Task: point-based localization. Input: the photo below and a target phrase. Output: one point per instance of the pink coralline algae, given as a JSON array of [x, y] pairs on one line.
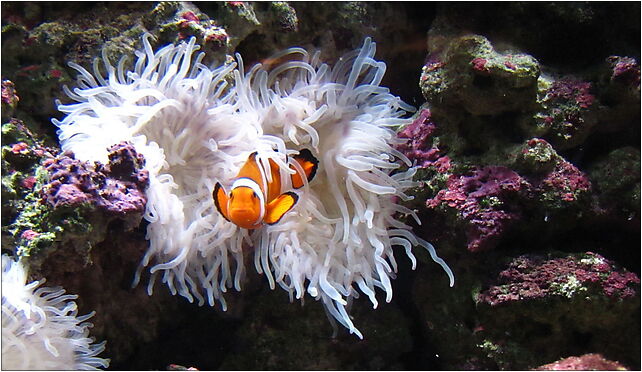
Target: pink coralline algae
[[9, 95], [565, 183], [479, 64], [56, 74], [29, 234], [510, 65], [481, 199], [432, 65], [220, 37], [486, 201], [554, 181], [625, 70], [19, 147], [190, 16], [569, 113], [28, 182], [532, 277], [206, 30], [420, 148], [586, 362], [187, 20], [117, 187], [566, 90]]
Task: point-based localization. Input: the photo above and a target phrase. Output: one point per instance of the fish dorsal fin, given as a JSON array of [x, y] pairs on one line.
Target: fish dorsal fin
[[309, 163], [274, 186], [220, 200], [252, 170], [279, 206]]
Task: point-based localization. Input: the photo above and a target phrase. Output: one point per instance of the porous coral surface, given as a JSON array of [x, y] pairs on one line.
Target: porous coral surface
[[526, 143], [117, 187]]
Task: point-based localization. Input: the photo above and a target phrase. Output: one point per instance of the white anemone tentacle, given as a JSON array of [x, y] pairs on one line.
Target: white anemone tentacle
[[196, 126]]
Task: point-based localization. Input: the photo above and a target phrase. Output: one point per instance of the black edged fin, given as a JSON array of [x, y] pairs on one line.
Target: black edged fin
[[220, 200], [306, 155], [278, 207], [309, 164]]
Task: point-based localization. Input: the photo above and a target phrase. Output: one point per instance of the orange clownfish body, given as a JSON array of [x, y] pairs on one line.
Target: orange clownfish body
[[254, 200]]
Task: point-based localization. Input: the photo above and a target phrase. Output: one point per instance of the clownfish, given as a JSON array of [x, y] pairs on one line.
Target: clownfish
[[253, 200]]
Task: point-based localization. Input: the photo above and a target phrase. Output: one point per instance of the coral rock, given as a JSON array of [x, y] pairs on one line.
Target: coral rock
[[625, 70], [537, 157], [569, 112], [480, 199], [565, 184], [419, 147], [532, 277], [619, 91], [557, 184], [542, 308], [617, 181], [586, 362], [9, 98], [117, 187], [467, 71]]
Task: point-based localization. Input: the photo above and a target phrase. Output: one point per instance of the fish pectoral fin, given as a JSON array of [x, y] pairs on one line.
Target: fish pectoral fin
[[309, 163], [279, 206], [220, 200]]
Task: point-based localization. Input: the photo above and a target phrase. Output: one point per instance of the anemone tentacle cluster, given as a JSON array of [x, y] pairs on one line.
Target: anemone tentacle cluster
[[41, 329], [195, 129]]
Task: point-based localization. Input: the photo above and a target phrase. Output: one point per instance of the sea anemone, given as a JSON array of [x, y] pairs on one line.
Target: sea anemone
[[195, 129], [41, 328]]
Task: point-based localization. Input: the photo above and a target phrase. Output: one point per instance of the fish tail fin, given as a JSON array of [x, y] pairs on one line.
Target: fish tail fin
[[309, 163]]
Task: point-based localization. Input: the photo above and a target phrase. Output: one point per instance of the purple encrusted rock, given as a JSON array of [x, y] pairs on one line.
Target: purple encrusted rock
[[492, 180], [117, 187], [531, 277], [568, 90], [420, 148], [480, 199], [625, 70], [9, 96], [125, 163], [122, 197], [565, 184], [551, 303], [555, 182], [586, 362], [66, 195], [569, 113], [419, 134]]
